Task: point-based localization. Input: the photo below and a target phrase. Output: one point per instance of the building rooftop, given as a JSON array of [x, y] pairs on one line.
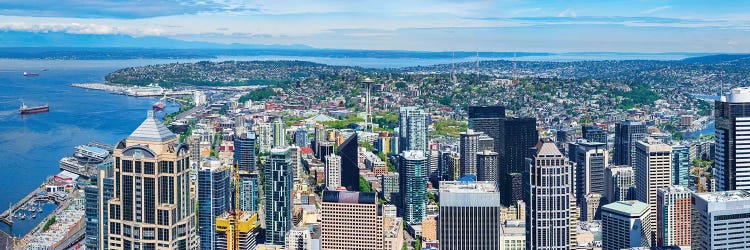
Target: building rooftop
[[675, 189], [628, 207], [152, 130], [736, 195], [414, 155], [467, 187], [547, 148], [738, 95]]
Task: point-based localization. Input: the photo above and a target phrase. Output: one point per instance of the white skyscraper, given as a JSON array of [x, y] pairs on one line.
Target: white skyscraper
[[469, 216], [719, 220], [265, 137], [653, 170], [549, 189], [333, 172], [279, 134]]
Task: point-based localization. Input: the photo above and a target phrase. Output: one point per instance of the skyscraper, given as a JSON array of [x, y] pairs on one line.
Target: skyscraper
[[278, 195], [487, 120], [349, 163], [249, 191], [412, 185], [548, 193], [653, 170], [300, 137], [247, 227], [674, 216], [627, 134], [469, 216], [487, 166], [718, 220], [333, 172], [619, 183], [244, 152], [213, 199], [681, 165], [626, 224], [351, 220], [517, 136], [279, 134], [594, 134], [591, 158], [265, 137], [100, 190], [732, 114], [469, 144], [152, 204], [412, 129]]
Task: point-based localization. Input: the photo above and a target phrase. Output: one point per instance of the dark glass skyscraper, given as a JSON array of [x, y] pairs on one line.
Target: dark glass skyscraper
[[487, 119], [244, 152], [412, 186], [279, 181], [627, 134], [594, 134], [732, 115], [517, 136], [349, 163], [213, 200]]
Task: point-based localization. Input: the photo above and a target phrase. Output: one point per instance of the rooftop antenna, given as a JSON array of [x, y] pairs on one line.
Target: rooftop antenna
[[477, 65], [515, 70]]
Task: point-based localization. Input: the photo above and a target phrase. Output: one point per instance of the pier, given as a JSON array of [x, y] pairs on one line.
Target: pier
[[7, 216]]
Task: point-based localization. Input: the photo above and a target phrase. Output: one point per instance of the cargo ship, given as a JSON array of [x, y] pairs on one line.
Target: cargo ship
[[27, 74], [158, 106], [32, 110]]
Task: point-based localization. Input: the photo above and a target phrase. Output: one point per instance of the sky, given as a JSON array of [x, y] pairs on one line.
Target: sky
[[424, 25]]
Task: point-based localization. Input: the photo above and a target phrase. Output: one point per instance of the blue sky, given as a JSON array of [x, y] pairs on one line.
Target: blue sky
[[434, 25]]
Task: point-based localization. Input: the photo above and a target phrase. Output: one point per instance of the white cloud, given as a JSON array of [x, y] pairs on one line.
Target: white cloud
[[567, 13], [79, 28], [657, 9]]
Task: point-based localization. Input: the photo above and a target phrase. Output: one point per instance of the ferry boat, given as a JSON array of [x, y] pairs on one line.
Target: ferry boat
[[32, 110], [27, 74]]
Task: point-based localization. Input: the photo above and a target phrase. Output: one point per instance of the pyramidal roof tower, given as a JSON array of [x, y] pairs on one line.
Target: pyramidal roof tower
[[152, 130]]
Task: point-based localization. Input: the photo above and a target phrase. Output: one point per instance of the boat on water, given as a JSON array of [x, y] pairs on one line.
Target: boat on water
[[27, 74], [23, 216], [33, 216], [32, 110], [159, 106]]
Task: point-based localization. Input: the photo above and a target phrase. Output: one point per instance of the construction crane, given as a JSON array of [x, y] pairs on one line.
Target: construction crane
[[235, 212]]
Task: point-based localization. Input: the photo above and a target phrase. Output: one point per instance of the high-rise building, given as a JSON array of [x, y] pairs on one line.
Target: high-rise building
[[351, 220], [300, 137], [626, 224], [249, 191], [333, 172], [517, 136], [296, 155], [594, 134], [674, 216], [279, 134], [412, 186], [681, 165], [485, 143], [718, 220], [389, 185], [469, 144], [487, 166], [619, 183], [487, 120], [469, 216], [264, 137], [412, 129], [627, 134], [299, 238], [653, 170], [591, 158], [213, 199], [732, 114], [349, 163], [449, 162], [152, 205], [247, 226], [100, 189], [549, 195], [278, 195], [244, 152]]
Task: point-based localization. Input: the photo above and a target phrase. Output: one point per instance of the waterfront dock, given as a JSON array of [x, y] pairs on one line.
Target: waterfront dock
[[135, 91], [7, 216]]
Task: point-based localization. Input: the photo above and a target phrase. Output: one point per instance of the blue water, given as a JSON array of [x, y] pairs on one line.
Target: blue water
[[31, 145]]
